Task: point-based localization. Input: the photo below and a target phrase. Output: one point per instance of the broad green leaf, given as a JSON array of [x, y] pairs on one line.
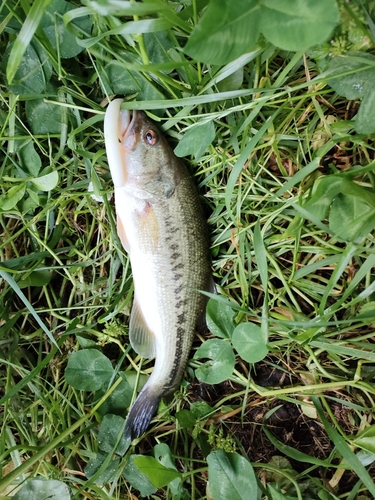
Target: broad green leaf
[[229, 29], [357, 84], [365, 457], [46, 182], [231, 82], [226, 30], [12, 197], [185, 419], [102, 467], [56, 31], [248, 340], [119, 400], [21, 44], [220, 319], [231, 476], [111, 435], [29, 77], [86, 343], [351, 218], [196, 140], [124, 81], [298, 24], [220, 364], [36, 278], [200, 409], [88, 370], [29, 159], [43, 117], [138, 479], [157, 46], [358, 81], [366, 439], [351, 188], [275, 494], [45, 61], [33, 201], [163, 455], [230, 76], [42, 489], [324, 191], [158, 475], [135, 379], [55, 7], [365, 118]]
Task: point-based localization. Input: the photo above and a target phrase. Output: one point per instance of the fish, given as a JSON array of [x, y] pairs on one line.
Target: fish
[[161, 225]]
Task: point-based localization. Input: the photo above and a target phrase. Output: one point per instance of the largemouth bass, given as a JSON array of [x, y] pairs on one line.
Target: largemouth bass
[[162, 227]]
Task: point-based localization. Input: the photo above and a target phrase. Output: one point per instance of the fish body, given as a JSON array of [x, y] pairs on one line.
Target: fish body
[[161, 225]]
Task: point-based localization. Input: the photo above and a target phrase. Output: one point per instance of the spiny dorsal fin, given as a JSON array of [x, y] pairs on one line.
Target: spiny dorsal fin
[[142, 338]]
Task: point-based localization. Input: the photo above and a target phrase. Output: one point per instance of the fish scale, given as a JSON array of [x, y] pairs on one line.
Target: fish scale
[[181, 302], [162, 226]]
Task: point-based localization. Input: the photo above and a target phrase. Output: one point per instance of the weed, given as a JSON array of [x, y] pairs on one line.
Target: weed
[[276, 126]]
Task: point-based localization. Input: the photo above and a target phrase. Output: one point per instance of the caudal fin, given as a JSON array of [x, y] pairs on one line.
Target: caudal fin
[[141, 413]]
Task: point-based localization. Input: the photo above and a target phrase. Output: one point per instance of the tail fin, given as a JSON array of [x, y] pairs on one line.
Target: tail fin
[[141, 413]]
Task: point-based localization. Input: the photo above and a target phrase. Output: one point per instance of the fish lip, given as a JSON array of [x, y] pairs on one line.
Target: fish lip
[[121, 135], [128, 128], [115, 157]]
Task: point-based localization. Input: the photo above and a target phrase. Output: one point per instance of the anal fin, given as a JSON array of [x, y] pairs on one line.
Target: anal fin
[[142, 338]]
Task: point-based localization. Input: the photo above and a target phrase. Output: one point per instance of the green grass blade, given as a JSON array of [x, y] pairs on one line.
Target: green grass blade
[[299, 176], [244, 156], [293, 453], [343, 448], [57, 441], [261, 259], [6, 276], [25, 36]]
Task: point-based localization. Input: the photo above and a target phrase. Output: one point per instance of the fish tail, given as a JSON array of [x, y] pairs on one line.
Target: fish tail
[[141, 413]]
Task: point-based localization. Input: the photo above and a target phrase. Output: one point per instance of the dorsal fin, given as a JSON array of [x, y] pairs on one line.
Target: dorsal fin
[[142, 338]]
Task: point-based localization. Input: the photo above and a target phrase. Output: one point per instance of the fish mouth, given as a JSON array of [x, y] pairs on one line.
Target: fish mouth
[[120, 136], [128, 129]]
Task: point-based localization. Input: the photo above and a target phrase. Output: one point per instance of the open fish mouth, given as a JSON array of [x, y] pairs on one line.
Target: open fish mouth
[[127, 128], [119, 136]]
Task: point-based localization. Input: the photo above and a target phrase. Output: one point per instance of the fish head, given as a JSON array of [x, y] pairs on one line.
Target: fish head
[[138, 154]]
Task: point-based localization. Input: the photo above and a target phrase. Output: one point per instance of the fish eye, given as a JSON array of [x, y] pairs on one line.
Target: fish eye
[[151, 137]]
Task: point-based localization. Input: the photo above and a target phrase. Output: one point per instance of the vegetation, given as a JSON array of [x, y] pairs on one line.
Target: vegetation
[[271, 103]]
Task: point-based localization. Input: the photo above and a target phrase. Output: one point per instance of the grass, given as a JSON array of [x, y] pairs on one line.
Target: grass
[[303, 415]]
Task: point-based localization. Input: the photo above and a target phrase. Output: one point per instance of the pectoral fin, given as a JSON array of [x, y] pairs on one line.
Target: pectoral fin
[[142, 338], [147, 229]]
